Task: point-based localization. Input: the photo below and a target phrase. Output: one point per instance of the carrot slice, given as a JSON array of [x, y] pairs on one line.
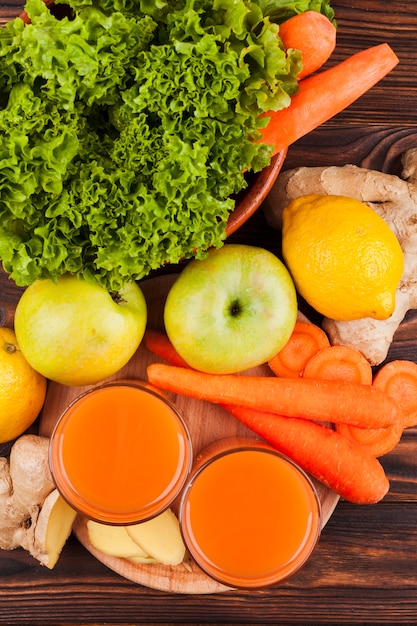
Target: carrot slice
[[334, 460], [399, 380], [376, 441], [327, 93], [159, 344], [313, 34], [305, 340], [349, 365], [325, 400], [342, 363]]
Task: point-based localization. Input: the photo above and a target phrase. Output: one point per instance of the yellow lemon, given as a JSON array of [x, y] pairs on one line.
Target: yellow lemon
[[344, 259], [22, 389]]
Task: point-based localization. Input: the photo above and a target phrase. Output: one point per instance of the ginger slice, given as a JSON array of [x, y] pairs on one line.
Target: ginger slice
[[115, 541], [160, 538], [53, 527]]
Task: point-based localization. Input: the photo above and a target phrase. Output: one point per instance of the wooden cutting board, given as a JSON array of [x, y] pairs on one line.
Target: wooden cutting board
[[206, 422]]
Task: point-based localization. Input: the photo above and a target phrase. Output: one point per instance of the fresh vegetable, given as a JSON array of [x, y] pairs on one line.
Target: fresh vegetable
[[32, 513], [341, 363], [360, 405], [157, 540], [375, 441], [160, 538], [399, 380], [126, 131], [325, 94], [333, 459], [305, 341], [53, 527], [158, 343], [347, 364], [280, 11], [114, 541], [314, 35], [394, 198], [287, 435]]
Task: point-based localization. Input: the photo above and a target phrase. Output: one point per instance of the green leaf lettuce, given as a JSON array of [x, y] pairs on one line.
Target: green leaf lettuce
[[125, 131]]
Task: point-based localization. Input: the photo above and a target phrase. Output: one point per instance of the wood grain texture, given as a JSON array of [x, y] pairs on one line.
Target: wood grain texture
[[364, 569]]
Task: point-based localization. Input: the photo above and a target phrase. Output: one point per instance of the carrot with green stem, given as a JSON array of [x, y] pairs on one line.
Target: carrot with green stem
[[313, 34], [325, 94], [305, 341], [334, 460], [360, 405]]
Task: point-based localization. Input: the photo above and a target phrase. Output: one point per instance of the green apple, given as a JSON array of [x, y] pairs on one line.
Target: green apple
[[76, 333], [231, 311]]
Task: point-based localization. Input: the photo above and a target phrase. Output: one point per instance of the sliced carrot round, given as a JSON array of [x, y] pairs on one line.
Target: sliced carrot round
[[399, 380], [306, 339], [342, 363], [376, 441]]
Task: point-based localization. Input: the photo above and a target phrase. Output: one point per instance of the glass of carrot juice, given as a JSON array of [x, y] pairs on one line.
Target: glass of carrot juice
[[250, 517], [120, 453]]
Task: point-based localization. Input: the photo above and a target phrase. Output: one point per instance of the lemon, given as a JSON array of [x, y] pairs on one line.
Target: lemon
[[22, 389], [344, 259]]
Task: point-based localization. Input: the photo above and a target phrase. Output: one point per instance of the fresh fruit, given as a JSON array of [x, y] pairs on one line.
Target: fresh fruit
[[22, 389], [232, 310], [345, 260], [76, 333]]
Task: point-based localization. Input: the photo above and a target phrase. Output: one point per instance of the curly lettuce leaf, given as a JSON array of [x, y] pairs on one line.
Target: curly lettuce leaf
[[125, 132], [281, 10]]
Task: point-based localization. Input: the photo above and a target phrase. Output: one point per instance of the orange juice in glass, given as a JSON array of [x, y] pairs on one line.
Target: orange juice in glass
[[250, 517], [120, 453]]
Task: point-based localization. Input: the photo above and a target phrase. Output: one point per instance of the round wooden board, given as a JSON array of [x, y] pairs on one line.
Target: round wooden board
[[206, 422]]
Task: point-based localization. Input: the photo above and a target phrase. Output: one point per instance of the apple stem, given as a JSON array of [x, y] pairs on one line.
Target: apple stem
[[116, 297]]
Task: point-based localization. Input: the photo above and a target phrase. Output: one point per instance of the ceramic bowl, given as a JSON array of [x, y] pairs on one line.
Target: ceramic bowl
[[252, 197]]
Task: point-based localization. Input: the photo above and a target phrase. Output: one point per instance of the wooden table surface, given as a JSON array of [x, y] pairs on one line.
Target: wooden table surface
[[364, 570]]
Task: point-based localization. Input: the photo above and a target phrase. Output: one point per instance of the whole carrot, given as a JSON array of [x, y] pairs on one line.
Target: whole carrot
[[329, 401], [327, 93], [158, 343], [313, 34], [331, 458]]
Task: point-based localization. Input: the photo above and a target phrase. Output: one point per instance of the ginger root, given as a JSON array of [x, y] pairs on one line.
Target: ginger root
[[32, 513], [394, 198], [157, 540]]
